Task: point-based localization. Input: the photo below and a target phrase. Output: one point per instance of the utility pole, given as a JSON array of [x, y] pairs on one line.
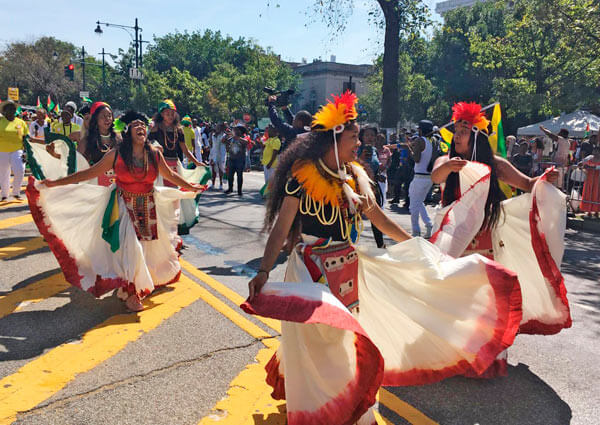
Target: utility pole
[[103, 74], [137, 49], [83, 66]]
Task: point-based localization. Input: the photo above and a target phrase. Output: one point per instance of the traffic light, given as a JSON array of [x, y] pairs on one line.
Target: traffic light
[[70, 71]]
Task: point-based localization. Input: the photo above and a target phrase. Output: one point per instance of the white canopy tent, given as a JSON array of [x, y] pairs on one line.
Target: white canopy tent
[[576, 122]]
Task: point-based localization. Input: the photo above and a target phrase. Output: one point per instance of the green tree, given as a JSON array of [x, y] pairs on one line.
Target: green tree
[[398, 18]]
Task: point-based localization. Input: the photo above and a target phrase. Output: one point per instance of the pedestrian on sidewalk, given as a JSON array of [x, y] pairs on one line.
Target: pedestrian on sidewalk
[[591, 187], [12, 132], [236, 157], [421, 150], [270, 152]]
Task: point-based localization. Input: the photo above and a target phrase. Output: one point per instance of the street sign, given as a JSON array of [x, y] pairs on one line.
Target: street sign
[[135, 74], [83, 94], [13, 93], [247, 117]]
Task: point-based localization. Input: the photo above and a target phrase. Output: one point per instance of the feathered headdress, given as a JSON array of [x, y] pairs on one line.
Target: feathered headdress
[[335, 114], [470, 112]]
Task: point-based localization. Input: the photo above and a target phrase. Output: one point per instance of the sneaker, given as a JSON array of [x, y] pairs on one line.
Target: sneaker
[[428, 230]]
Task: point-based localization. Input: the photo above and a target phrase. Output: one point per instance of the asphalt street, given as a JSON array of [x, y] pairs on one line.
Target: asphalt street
[[193, 357]]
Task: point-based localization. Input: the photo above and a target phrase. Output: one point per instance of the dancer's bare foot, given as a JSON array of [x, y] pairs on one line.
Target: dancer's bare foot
[[133, 303]]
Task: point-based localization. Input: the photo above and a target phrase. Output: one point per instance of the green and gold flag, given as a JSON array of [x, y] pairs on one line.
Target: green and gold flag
[[110, 222]]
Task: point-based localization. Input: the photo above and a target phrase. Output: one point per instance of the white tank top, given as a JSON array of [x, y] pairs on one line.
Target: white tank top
[[421, 166]]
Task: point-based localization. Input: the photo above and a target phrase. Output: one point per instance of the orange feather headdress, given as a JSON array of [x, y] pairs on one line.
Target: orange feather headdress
[[470, 112], [335, 114]]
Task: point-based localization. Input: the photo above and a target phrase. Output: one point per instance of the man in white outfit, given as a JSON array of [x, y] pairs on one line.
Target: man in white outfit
[[218, 154], [421, 151]]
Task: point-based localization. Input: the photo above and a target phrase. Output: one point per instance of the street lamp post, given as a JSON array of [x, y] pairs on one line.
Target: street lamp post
[[136, 37]]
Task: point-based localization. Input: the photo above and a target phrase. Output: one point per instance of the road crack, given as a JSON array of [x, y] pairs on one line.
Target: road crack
[[134, 379]]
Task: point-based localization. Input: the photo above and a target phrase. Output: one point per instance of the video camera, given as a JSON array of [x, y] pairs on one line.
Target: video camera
[[283, 97]]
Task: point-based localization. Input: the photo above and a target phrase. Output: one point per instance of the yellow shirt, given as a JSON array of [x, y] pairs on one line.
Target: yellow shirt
[[188, 136], [57, 127], [11, 134], [272, 144]]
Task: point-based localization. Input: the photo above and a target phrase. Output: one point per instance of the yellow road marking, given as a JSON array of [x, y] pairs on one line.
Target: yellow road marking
[[249, 399], [228, 293], [43, 377], [15, 221], [33, 293], [403, 409], [21, 248]]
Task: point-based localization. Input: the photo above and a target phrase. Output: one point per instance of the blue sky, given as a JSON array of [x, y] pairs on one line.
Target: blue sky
[[286, 29]]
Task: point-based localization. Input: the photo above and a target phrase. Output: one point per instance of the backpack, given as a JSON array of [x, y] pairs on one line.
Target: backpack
[[436, 152]]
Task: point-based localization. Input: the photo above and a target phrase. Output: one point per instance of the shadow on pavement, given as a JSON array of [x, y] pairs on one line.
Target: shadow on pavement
[[27, 334], [247, 269], [582, 255], [518, 399]]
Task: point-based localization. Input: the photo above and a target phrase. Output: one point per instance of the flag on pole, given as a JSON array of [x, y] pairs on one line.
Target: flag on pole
[[57, 109], [497, 140], [447, 136], [87, 99], [38, 104], [49, 104], [587, 130]]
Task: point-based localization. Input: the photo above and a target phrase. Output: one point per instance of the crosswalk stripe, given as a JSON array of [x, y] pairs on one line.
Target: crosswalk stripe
[[33, 293], [226, 292], [43, 377], [22, 247], [15, 221], [405, 410]]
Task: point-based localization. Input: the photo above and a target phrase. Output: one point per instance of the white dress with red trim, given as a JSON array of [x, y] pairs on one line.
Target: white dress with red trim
[[189, 213], [142, 230], [529, 240], [418, 316], [65, 161]]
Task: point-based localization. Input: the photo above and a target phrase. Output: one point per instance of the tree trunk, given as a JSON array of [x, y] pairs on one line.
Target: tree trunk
[[391, 67]]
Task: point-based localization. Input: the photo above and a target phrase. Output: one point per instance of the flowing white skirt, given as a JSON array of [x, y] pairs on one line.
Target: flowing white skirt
[[529, 240], [55, 168], [70, 219], [426, 315], [189, 214]]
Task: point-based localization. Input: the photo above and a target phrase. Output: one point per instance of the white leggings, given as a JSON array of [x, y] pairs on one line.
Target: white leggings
[[8, 161], [417, 191]]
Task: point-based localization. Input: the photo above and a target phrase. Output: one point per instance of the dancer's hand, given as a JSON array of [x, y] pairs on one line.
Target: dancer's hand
[[454, 165], [49, 183], [199, 187], [256, 284]]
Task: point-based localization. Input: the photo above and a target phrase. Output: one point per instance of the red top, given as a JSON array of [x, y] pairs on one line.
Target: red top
[[135, 182]]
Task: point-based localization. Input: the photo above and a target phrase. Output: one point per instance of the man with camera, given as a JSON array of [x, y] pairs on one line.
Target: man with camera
[[298, 124]]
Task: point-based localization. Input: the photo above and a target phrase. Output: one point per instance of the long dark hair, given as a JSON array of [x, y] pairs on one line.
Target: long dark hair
[[158, 119], [125, 149], [484, 154], [309, 146], [92, 153]]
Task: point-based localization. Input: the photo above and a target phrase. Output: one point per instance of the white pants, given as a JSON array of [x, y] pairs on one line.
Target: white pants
[[384, 188], [8, 161], [269, 173], [417, 191]]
